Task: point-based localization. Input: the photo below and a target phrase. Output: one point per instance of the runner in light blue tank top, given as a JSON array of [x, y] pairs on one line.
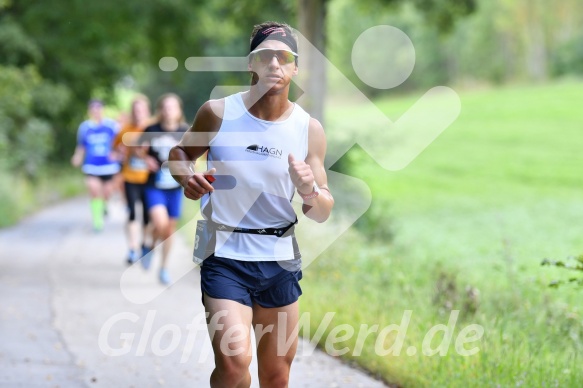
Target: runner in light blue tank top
[[94, 153], [97, 138]]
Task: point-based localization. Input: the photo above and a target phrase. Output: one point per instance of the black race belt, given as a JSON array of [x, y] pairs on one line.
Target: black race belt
[[278, 232]]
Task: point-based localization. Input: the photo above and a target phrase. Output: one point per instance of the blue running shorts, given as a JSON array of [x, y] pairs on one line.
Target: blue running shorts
[[267, 283], [171, 199]]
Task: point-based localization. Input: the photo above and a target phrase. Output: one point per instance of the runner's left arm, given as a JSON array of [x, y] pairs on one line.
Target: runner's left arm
[[304, 173]]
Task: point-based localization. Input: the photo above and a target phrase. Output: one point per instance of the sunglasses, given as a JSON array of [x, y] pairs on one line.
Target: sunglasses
[[265, 56]]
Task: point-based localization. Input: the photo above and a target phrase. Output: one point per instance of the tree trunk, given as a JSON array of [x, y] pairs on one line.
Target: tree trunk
[[536, 46], [312, 16]]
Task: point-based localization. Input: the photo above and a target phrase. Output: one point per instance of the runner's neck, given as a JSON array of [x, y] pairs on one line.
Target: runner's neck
[[269, 107]]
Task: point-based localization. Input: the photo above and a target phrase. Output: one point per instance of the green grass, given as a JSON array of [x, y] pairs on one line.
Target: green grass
[[21, 196], [475, 213], [478, 210]]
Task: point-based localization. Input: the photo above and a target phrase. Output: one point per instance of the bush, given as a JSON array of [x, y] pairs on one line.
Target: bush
[[27, 102], [568, 58], [573, 264], [21, 196]]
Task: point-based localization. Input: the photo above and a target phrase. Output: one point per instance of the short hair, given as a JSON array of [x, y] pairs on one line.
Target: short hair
[[95, 102], [285, 26]]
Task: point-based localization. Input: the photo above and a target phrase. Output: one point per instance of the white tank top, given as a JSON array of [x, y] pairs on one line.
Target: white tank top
[[255, 153]]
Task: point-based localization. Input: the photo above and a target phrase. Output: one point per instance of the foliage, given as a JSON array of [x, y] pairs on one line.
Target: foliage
[[222, 29], [21, 196], [496, 190], [482, 41], [576, 266], [79, 49], [444, 13], [346, 24], [26, 103], [507, 40], [568, 58]]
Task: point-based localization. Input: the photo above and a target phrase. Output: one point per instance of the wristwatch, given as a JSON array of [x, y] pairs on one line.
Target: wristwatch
[[315, 192]]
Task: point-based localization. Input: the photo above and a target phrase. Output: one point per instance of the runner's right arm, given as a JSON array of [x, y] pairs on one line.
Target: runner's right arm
[[79, 154], [193, 145]]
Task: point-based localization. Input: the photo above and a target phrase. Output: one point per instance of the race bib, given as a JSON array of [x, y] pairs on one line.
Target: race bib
[[201, 242], [137, 164]]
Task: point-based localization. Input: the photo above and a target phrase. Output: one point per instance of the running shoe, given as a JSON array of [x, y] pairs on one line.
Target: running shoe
[[164, 276], [132, 257], [146, 257]]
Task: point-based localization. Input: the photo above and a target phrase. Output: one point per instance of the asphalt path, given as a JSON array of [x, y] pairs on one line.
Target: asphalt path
[[72, 314]]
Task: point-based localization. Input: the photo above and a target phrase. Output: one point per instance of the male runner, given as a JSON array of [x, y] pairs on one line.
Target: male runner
[[268, 148]]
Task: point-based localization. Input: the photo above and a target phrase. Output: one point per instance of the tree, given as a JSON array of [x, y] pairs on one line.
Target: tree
[[312, 23], [85, 48], [81, 48], [221, 29], [28, 102]]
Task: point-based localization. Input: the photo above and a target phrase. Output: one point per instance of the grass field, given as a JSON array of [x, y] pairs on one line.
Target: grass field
[[466, 226], [21, 197]]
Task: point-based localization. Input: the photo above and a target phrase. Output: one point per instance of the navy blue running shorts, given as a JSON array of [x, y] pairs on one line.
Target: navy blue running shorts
[[103, 178], [268, 283], [171, 199]]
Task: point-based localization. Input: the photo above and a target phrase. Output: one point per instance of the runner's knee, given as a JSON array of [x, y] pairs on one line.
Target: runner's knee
[[274, 377], [132, 213], [232, 369]]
